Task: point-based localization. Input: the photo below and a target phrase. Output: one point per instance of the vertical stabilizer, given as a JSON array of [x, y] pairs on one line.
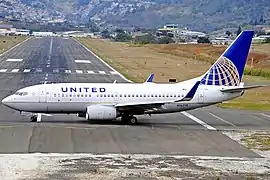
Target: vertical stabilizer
[[228, 69]]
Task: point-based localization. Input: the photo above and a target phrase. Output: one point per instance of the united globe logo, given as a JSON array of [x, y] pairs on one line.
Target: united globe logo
[[222, 73]]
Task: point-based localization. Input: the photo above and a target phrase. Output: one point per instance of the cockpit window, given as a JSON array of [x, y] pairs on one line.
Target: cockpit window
[[21, 93]]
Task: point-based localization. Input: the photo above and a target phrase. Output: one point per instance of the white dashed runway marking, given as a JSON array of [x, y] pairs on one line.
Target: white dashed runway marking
[[101, 72], [3, 70], [90, 72], [82, 61], [79, 71], [14, 60], [15, 70], [27, 70], [114, 72]]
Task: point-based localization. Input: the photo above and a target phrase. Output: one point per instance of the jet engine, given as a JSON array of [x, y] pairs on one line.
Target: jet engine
[[98, 112]]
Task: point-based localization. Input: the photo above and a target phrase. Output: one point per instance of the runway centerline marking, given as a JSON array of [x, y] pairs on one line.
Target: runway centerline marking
[[199, 121], [15, 70], [219, 118], [14, 60], [3, 70], [82, 61]]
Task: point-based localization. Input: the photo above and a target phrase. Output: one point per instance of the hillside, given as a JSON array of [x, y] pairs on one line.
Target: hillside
[[196, 14]]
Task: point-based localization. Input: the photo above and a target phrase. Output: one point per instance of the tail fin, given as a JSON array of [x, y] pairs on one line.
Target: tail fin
[[228, 69]]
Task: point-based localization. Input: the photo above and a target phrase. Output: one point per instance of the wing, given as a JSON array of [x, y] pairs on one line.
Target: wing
[[239, 89], [143, 106]]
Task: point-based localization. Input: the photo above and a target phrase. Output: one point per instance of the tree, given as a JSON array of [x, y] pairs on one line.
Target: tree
[[267, 40], [203, 40], [239, 30], [146, 39], [105, 34], [165, 40], [123, 37]]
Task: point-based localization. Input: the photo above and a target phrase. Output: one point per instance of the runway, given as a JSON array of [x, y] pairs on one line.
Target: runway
[[55, 59]]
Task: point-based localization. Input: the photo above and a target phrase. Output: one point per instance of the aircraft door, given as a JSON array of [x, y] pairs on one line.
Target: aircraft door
[[42, 95], [200, 96]]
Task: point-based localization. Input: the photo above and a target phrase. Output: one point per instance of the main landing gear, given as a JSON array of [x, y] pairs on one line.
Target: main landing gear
[[129, 119], [36, 118]]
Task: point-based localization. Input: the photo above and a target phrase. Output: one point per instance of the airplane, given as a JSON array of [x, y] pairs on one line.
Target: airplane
[[109, 101]]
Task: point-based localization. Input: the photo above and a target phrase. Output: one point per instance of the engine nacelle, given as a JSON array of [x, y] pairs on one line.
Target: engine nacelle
[[98, 112]]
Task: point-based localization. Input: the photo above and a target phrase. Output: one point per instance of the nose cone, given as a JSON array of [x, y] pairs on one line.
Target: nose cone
[[6, 101]]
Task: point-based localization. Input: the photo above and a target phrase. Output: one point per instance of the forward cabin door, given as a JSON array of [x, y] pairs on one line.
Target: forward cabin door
[[42, 95]]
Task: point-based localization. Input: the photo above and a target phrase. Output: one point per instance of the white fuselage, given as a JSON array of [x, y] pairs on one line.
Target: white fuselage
[[76, 97]]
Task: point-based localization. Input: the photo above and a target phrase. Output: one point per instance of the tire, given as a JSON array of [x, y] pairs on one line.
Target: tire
[[133, 120]]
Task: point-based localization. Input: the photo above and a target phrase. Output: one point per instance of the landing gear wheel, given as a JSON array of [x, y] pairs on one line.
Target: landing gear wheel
[[33, 118], [133, 120]]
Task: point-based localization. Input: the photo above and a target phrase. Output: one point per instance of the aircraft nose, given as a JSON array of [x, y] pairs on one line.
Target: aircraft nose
[[6, 100]]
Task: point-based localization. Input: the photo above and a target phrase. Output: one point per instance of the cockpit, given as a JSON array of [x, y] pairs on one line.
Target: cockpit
[[21, 93]]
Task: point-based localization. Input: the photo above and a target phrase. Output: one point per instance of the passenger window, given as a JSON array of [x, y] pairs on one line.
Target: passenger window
[[63, 95], [54, 95], [108, 95], [104, 95], [125, 95], [112, 95], [129, 95], [120, 95], [160, 95], [82, 95], [70, 95], [155, 95], [101, 95], [163, 95], [78, 95], [74, 95], [89, 95]]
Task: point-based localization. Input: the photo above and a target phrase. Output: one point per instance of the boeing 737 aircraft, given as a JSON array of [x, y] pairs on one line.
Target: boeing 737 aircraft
[[108, 101]]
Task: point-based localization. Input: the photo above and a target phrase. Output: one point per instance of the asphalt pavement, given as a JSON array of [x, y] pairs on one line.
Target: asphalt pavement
[[56, 59]]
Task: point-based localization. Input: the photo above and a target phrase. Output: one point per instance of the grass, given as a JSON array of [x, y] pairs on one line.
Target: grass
[[177, 61], [259, 141], [6, 42]]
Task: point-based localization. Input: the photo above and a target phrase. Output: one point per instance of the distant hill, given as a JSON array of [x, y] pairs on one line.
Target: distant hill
[[206, 15]]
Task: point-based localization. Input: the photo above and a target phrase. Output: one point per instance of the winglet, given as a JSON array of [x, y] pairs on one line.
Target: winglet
[[150, 78], [191, 93], [114, 82]]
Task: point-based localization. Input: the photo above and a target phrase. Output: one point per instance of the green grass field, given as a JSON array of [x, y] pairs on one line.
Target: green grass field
[[7, 42]]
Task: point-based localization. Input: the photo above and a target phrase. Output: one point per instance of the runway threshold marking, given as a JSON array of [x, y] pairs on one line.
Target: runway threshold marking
[[90, 72], [79, 71], [15, 70], [3, 70], [219, 118], [101, 72], [199, 121], [27, 70], [14, 60], [82, 61], [114, 72]]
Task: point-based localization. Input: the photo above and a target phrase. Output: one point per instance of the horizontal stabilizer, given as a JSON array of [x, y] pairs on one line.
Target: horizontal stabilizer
[[191, 93], [239, 89]]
